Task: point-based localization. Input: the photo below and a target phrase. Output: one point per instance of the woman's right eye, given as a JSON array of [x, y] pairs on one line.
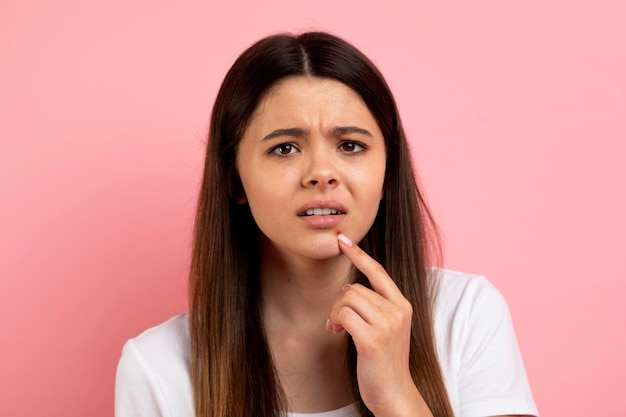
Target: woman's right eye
[[284, 149]]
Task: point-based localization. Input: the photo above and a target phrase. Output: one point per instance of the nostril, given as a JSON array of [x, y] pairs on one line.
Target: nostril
[[331, 181]]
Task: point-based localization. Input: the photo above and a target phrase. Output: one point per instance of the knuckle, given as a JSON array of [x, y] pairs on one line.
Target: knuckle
[[407, 307], [353, 292], [343, 313], [399, 316], [378, 269]]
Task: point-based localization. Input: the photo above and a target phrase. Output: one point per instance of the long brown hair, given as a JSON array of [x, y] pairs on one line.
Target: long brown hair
[[231, 364]]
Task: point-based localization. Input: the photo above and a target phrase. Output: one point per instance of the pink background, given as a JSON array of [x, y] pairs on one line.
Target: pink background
[[515, 109]]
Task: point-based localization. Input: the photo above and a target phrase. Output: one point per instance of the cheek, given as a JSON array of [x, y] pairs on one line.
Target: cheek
[[369, 189], [268, 189], [377, 188], [370, 180]]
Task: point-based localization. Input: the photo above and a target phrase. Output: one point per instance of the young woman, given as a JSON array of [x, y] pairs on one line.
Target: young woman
[[311, 286]]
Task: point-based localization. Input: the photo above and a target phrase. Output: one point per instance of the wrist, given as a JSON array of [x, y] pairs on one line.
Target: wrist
[[406, 402]]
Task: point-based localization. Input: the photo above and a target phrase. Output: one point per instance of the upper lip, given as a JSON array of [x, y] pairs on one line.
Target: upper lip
[[331, 204]]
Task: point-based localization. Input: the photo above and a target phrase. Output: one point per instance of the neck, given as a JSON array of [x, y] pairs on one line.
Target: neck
[[298, 291], [309, 360]]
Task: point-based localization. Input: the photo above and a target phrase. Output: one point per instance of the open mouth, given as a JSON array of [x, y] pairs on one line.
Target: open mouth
[[321, 212]]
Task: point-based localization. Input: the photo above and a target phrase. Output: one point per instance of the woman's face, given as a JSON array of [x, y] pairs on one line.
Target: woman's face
[[312, 164]]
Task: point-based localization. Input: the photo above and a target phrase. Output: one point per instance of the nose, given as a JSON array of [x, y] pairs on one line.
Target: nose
[[320, 172]]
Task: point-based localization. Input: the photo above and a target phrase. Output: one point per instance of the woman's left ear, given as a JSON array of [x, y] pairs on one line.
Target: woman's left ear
[[241, 199], [235, 187]]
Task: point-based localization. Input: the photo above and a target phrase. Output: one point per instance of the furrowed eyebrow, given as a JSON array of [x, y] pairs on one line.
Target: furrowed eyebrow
[[297, 132], [346, 130], [294, 131]]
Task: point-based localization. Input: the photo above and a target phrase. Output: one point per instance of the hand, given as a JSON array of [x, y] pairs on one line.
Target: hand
[[379, 321]]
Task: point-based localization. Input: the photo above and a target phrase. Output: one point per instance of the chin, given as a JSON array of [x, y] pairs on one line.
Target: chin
[[318, 249], [321, 247], [323, 254]]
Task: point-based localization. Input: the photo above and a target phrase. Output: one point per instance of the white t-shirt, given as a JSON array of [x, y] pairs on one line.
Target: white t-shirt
[[478, 353]]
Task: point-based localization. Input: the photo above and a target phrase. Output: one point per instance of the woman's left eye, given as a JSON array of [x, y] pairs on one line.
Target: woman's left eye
[[351, 147]]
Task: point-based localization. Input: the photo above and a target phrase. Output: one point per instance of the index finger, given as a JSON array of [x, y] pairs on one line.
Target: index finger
[[379, 278]]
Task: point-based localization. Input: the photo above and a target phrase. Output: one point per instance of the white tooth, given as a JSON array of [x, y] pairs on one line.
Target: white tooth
[[321, 212]]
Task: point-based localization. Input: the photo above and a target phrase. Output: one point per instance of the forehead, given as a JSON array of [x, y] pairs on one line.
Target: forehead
[[297, 84], [311, 99]]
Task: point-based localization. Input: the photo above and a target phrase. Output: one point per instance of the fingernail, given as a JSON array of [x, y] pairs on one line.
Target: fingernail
[[337, 328], [344, 239], [328, 324]]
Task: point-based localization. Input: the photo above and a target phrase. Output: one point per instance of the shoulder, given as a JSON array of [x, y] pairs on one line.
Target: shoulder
[[468, 308], [461, 296], [458, 289], [170, 338], [477, 348], [153, 373], [162, 349]]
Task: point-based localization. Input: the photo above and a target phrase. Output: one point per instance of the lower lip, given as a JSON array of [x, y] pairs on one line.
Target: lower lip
[[323, 222]]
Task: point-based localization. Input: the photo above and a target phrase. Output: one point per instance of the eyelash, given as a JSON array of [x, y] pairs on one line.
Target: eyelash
[[355, 144], [276, 150]]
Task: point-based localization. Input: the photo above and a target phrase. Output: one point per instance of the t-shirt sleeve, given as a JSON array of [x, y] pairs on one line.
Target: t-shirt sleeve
[[492, 378], [137, 391]]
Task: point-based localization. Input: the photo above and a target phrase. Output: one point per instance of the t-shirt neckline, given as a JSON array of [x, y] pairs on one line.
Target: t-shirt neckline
[[347, 411]]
